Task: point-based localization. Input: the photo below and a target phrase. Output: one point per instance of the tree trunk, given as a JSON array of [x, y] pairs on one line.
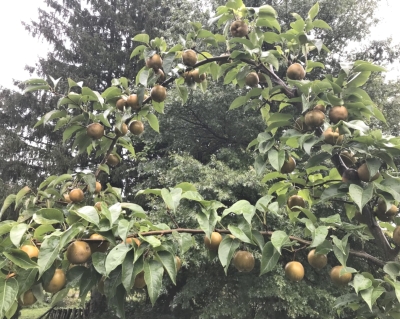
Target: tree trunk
[[97, 304]]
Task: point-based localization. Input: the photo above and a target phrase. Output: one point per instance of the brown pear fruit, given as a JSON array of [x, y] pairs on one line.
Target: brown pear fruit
[[294, 271], [239, 29], [136, 127], [133, 102], [365, 175], [189, 57], [161, 76], [338, 113], [57, 282], [158, 93], [252, 79], [76, 195], [317, 261], [124, 130], [296, 200], [78, 252], [332, 137], [95, 131], [121, 104], [320, 107], [288, 166], [314, 118], [396, 235], [244, 261], [340, 280], [384, 214], [112, 160], [213, 244], [154, 62], [296, 72]]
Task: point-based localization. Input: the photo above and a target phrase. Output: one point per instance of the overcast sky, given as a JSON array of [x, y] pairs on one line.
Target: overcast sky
[[19, 48]]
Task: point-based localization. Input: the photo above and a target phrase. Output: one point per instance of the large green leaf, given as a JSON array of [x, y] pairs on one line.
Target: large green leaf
[[153, 273], [168, 261], [48, 216], [116, 256], [20, 258], [88, 213], [8, 294], [226, 249], [280, 239], [269, 258], [48, 253]]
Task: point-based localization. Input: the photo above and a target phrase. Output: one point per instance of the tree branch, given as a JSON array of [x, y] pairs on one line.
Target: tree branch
[[375, 229], [356, 253]]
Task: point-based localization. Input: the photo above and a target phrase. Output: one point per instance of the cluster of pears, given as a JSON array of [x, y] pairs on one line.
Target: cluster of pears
[[242, 260], [76, 195], [294, 270], [189, 58], [315, 118]]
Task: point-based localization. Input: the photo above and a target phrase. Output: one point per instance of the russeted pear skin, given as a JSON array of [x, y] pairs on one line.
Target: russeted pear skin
[[158, 93], [314, 118], [155, 62], [136, 127], [213, 244], [57, 282], [95, 131], [244, 261], [239, 29], [365, 175], [112, 160], [294, 271], [338, 113], [340, 280], [296, 72], [317, 261], [252, 79], [189, 57], [78, 252], [396, 235], [296, 200], [288, 166]]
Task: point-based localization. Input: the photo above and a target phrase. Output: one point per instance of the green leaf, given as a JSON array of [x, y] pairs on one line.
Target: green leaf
[[153, 121], [153, 273], [116, 256], [48, 216], [226, 249], [32, 88], [361, 283], [168, 261], [17, 233], [141, 38], [127, 271], [242, 207], [361, 196], [371, 294], [48, 253], [269, 258], [138, 50], [276, 159], [99, 262], [8, 294], [392, 268], [20, 258], [313, 11], [26, 278], [71, 130], [319, 235], [88, 213], [321, 24], [238, 233], [360, 66], [280, 239], [239, 101], [359, 79], [7, 202]]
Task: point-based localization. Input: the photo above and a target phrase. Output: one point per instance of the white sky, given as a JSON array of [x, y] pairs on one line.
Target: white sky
[[19, 48]]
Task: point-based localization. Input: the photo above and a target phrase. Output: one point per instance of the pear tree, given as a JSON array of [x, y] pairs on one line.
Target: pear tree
[[318, 153]]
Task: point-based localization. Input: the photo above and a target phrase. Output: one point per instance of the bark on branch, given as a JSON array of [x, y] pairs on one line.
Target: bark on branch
[[356, 253], [389, 252]]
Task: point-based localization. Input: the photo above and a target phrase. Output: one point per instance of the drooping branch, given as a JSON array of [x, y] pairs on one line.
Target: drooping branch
[[356, 253], [369, 218]]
